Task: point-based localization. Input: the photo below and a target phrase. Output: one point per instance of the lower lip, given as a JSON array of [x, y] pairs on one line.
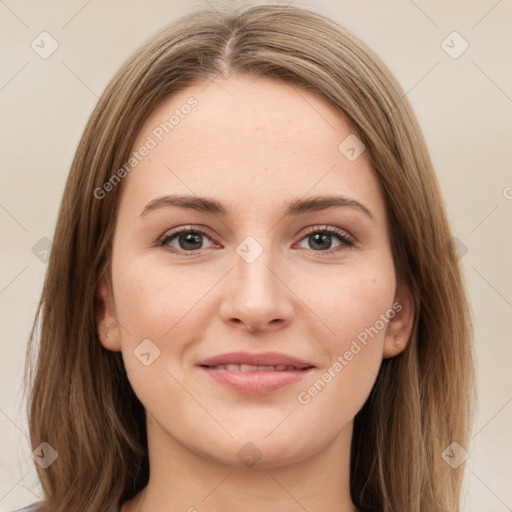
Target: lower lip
[[255, 383]]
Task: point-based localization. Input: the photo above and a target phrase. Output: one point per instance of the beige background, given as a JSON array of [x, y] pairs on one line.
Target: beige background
[[464, 106]]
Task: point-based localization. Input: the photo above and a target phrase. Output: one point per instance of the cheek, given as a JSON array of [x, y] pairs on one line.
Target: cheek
[[152, 300], [349, 300], [355, 309], [161, 304], [358, 308]]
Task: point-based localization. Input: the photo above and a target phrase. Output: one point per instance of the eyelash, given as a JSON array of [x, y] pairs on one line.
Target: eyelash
[[347, 241]]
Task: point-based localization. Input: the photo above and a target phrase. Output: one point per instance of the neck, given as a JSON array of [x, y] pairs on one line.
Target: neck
[[182, 480]]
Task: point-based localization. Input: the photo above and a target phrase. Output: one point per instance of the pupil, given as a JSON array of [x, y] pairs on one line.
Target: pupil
[[190, 238], [324, 239]]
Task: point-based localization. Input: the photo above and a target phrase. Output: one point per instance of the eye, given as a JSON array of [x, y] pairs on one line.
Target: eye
[[188, 240], [321, 239]]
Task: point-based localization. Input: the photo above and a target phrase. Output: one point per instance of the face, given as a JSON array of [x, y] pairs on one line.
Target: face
[[258, 269]]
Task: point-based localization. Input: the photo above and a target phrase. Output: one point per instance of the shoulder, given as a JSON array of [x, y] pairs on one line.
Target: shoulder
[[35, 507]]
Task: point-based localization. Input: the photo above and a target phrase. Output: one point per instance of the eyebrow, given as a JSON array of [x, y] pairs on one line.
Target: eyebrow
[[294, 207]]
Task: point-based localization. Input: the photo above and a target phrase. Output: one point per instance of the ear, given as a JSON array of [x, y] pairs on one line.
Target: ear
[[401, 323], [108, 331]]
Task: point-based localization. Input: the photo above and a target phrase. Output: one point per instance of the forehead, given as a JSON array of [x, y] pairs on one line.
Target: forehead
[[246, 140]]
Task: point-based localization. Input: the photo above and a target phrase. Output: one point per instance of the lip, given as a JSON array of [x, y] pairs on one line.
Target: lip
[[261, 359], [260, 381]]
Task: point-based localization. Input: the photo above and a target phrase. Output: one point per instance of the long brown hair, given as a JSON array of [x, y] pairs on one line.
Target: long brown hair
[[81, 402]]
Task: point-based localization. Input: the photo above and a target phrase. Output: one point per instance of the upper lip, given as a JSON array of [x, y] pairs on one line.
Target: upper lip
[[262, 359]]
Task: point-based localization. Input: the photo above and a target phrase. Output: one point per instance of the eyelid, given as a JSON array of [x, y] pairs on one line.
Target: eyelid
[[329, 229], [161, 241]]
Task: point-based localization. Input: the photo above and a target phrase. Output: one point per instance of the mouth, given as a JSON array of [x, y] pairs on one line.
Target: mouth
[[255, 374], [255, 380], [246, 368]]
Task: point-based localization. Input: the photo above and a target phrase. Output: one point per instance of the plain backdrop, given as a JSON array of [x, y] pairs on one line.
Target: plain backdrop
[[464, 105]]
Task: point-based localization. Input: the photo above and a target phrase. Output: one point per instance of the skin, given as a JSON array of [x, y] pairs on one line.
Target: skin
[[251, 144]]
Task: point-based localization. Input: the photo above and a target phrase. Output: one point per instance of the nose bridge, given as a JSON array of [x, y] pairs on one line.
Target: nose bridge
[[253, 261], [257, 295]]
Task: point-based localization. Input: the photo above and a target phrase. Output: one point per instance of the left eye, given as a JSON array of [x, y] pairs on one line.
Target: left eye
[[321, 239]]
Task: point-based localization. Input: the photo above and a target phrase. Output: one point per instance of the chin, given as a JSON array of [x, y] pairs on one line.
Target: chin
[[248, 452]]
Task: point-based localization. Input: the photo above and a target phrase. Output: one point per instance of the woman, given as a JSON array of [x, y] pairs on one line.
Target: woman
[[253, 300]]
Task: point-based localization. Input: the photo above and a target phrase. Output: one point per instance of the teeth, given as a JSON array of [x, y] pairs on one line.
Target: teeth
[[248, 368], [252, 368]]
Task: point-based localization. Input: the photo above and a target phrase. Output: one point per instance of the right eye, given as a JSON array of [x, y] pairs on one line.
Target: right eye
[[188, 240]]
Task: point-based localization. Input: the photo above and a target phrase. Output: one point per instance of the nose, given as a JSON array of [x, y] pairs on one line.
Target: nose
[[256, 297]]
